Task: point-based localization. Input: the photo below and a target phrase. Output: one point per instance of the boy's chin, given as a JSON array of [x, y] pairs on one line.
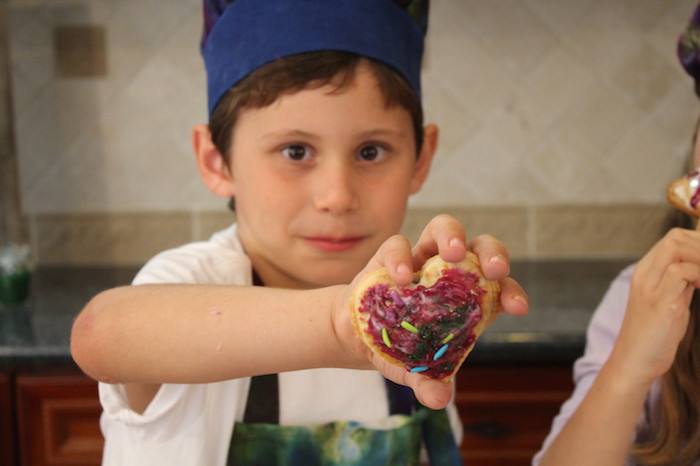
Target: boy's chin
[[331, 274]]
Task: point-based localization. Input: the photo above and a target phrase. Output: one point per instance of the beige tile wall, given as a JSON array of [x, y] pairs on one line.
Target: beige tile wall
[[561, 123], [553, 232]]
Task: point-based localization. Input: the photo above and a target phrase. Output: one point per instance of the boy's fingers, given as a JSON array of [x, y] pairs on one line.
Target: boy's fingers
[[395, 256], [514, 300], [430, 392], [493, 256], [433, 394], [444, 235]]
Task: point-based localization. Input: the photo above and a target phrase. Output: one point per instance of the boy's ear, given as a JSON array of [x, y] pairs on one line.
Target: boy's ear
[[211, 163], [425, 157]]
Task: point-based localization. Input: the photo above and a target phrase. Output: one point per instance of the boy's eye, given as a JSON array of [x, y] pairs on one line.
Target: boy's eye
[[371, 153], [295, 152]]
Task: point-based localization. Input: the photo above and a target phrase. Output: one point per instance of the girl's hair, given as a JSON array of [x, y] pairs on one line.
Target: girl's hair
[[674, 438], [308, 71]]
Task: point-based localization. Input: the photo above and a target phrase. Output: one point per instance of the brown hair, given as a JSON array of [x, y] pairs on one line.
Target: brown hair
[[674, 438], [308, 71]]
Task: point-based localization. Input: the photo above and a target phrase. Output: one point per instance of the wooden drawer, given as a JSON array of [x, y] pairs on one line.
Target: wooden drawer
[[7, 422], [507, 411], [58, 420]]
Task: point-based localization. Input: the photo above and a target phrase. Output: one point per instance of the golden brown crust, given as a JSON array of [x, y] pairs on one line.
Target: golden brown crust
[[427, 276], [678, 194]]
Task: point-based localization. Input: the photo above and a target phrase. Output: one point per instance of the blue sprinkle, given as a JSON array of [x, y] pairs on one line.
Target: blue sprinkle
[[440, 353], [419, 369]]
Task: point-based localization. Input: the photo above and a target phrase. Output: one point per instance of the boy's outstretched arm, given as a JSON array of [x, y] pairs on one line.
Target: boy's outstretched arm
[[206, 333], [152, 334]]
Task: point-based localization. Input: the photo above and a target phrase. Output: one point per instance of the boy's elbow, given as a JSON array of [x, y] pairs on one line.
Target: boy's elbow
[[89, 337]]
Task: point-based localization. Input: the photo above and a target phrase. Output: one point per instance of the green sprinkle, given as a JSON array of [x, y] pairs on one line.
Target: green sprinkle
[[409, 327], [448, 338], [385, 337], [419, 369], [441, 352]]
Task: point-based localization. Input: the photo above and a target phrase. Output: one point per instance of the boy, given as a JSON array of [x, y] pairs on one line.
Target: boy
[[320, 149]]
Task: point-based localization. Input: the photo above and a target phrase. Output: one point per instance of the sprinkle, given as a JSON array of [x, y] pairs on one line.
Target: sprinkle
[[385, 337], [440, 353], [448, 338], [409, 327], [419, 369]]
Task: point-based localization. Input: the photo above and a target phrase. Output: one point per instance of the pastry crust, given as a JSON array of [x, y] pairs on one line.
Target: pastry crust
[[481, 297], [684, 195]]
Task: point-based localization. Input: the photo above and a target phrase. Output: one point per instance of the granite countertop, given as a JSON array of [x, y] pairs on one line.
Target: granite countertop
[[563, 295]]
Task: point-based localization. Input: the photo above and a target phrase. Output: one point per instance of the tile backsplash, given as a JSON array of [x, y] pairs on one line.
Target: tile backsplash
[[561, 124]]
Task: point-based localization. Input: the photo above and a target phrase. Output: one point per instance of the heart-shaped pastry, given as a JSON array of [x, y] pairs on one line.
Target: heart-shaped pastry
[[684, 193], [431, 325]]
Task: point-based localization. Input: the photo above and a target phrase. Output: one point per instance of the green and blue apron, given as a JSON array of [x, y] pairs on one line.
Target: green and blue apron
[[260, 440]]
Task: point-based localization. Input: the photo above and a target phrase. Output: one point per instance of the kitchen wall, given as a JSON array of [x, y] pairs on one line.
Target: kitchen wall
[[561, 123]]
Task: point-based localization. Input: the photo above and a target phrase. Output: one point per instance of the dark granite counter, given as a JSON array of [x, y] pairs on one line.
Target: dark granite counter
[[563, 295]]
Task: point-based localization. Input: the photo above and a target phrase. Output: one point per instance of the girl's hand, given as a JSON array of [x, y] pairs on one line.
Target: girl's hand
[[658, 309], [443, 235]]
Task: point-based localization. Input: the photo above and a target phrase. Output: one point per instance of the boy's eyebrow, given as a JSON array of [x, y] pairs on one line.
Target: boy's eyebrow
[[301, 134], [287, 134]]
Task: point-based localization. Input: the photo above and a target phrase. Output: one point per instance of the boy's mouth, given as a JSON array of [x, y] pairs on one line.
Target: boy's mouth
[[330, 244]]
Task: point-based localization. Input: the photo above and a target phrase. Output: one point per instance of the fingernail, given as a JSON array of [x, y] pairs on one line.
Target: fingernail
[[402, 269], [498, 259], [456, 242]]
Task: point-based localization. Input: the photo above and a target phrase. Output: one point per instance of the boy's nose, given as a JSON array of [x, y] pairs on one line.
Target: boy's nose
[[335, 190]]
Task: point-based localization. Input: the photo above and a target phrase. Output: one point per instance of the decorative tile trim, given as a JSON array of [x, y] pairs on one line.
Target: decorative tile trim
[[80, 51], [529, 232]]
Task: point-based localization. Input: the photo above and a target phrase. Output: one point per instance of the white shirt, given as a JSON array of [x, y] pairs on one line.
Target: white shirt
[[192, 424]]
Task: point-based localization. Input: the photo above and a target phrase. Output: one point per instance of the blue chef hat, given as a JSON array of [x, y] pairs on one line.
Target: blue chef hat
[[241, 36]]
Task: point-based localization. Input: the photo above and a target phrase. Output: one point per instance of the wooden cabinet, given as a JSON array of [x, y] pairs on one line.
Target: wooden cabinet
[[53, 419], [7, 423], [507, 411]]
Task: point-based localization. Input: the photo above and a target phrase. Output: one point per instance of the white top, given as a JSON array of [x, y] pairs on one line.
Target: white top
[[192, 424], [600, 340]]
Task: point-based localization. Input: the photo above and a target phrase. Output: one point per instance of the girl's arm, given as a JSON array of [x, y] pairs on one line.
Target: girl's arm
[[602, 428]]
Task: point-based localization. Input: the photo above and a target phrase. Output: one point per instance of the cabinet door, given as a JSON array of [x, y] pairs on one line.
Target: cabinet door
[[58, 420], [7, 422], [507, 411]]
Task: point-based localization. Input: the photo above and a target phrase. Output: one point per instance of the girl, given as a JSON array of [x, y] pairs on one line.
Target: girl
[[637, 396]]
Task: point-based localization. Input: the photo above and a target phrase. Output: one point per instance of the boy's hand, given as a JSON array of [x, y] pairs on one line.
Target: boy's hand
[[445, 236]]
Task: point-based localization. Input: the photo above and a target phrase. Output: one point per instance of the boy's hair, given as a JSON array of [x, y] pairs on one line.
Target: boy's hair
[[308, 71]]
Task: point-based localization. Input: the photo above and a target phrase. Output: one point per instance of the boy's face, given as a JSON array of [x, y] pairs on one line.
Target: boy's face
[[321, 179]]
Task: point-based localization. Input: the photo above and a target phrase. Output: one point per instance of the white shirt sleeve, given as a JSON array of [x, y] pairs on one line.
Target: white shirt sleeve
[[180, 413]]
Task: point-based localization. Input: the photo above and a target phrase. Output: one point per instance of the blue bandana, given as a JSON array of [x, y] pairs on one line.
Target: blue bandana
[[252, 33]]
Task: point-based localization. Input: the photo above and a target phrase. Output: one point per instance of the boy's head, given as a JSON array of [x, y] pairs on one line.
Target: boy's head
[[321, 150]]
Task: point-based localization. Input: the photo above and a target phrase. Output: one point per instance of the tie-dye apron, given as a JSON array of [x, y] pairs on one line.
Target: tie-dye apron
[[260, 440]]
